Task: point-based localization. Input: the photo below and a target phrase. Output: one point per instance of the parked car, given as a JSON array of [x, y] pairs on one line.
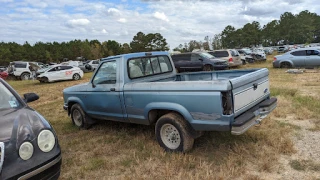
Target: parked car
[[302, 57], [230, 55], [3, 74], [22, 70], [3, 68], [60, 72], [144, 88], [85, 67], [282, 49], [94, 64], [198, 61], [29, 148]]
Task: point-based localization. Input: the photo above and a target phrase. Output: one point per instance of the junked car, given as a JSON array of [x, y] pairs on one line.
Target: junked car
[[302, 57], [60, 72], [230, 55], [29, 148], [3, 74], [22, 70], [197, 61], [144, 88]]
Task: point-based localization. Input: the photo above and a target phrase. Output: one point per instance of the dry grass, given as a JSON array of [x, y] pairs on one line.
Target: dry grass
[[112, 150]]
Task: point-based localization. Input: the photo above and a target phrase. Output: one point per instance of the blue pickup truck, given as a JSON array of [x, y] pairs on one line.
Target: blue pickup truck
[[144, 88]]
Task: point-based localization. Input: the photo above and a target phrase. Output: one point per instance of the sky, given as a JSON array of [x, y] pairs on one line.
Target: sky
[[177, 21]]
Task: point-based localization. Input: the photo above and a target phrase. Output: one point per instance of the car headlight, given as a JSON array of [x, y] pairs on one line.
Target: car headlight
[[26, 150], [46, 140]]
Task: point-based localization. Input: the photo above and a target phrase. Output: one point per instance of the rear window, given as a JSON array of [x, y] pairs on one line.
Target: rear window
[[299, 53], [220, 53], [148, 66], [181, 57]]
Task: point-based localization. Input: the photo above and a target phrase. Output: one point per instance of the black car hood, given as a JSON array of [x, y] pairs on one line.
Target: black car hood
[[18, 125]]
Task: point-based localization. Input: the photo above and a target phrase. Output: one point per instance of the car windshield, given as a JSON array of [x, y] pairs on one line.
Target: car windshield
[[247, 51], [206, 55], [7, 99]]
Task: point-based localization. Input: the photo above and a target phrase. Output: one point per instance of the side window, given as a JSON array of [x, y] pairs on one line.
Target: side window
[[299, 53], [107, 73], [95, 62], [20, 65], [195, 57], [66, 67], [141, 67], [315, 53]]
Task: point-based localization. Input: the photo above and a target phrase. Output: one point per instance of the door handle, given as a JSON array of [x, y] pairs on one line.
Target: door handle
[[112, 89]]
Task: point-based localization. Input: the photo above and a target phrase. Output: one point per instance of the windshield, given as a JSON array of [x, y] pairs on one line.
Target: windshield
[[206, 55], [7, 99], [247, 51]]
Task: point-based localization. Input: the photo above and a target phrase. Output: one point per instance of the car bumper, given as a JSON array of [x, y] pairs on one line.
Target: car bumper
[[51, 171], [220, 67], [65, 107], [253, 116]]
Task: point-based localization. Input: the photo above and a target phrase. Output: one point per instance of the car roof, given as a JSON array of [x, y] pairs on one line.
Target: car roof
[[139, 54]]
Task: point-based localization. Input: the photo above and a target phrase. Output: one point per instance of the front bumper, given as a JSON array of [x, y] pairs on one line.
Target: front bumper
[[253, 116], [51, 171], [65, 107]]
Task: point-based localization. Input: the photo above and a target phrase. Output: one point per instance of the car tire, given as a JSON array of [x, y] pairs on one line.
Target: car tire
[[173, 133], [76, 77], [25, 76], [207, 67], [79, 117], [285, 65]]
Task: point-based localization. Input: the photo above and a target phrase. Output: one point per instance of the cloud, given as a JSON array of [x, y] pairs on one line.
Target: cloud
[[104, 31], [113, 12], [122, 20], [77, 22], [161, 16]]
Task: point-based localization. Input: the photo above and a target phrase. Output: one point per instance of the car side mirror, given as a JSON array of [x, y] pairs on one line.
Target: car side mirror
[[30, 97]]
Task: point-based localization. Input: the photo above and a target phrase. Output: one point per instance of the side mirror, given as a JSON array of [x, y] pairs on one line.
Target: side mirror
[[30, 97]]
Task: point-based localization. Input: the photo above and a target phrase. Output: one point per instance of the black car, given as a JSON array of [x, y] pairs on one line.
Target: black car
[[198, 61], [29, 147]]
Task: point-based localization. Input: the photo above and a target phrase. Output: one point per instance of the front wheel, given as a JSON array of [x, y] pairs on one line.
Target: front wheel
[[207, 68], [76, 77], [173, 133]]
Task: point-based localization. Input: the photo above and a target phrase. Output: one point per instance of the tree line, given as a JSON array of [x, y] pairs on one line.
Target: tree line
[[94, 49], [302, 28]]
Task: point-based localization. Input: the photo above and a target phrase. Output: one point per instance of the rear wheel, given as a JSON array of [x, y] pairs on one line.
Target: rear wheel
[[285, 65], [207, 68], [76, 77], [173, 133], [25, 76]]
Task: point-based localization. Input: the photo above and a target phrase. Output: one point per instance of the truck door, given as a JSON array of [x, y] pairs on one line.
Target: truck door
[[103, 96]]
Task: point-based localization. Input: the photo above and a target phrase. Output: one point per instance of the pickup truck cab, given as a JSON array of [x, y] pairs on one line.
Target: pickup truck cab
[[144, 88]]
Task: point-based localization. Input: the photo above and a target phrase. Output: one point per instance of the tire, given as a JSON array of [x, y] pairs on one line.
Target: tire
[[207, 67], [244, 62], [25, 76], [76, 77], [285, 65], [78, 116], [173, 133]]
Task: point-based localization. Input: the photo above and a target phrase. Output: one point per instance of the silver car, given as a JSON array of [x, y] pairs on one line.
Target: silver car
[[303, 57]]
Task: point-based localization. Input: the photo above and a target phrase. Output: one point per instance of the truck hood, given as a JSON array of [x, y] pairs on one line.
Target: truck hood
[[77, 88], [21, 124]]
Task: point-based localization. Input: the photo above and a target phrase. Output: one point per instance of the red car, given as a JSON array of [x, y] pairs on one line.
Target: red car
[[3, 74]]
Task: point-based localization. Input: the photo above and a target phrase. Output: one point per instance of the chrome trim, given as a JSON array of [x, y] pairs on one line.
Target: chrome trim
[[41, 169], [1, 155]]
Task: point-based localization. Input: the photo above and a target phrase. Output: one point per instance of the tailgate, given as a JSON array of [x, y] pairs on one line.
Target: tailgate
[[249, 89]]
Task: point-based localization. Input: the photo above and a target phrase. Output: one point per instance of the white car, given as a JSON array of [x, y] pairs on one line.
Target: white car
[[94, 64], [60, 72]]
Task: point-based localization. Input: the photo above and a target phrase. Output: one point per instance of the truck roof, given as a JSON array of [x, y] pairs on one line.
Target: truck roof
[[139, 54]]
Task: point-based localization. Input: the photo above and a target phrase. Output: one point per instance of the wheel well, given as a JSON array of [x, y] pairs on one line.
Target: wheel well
[[155, 114], [70, 104]]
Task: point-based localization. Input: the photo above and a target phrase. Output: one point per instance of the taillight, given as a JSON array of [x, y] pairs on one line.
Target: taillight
[[274, 59], [230, 59]]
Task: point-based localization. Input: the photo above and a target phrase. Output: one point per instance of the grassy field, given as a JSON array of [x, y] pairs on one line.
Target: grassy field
[[111, 150]]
